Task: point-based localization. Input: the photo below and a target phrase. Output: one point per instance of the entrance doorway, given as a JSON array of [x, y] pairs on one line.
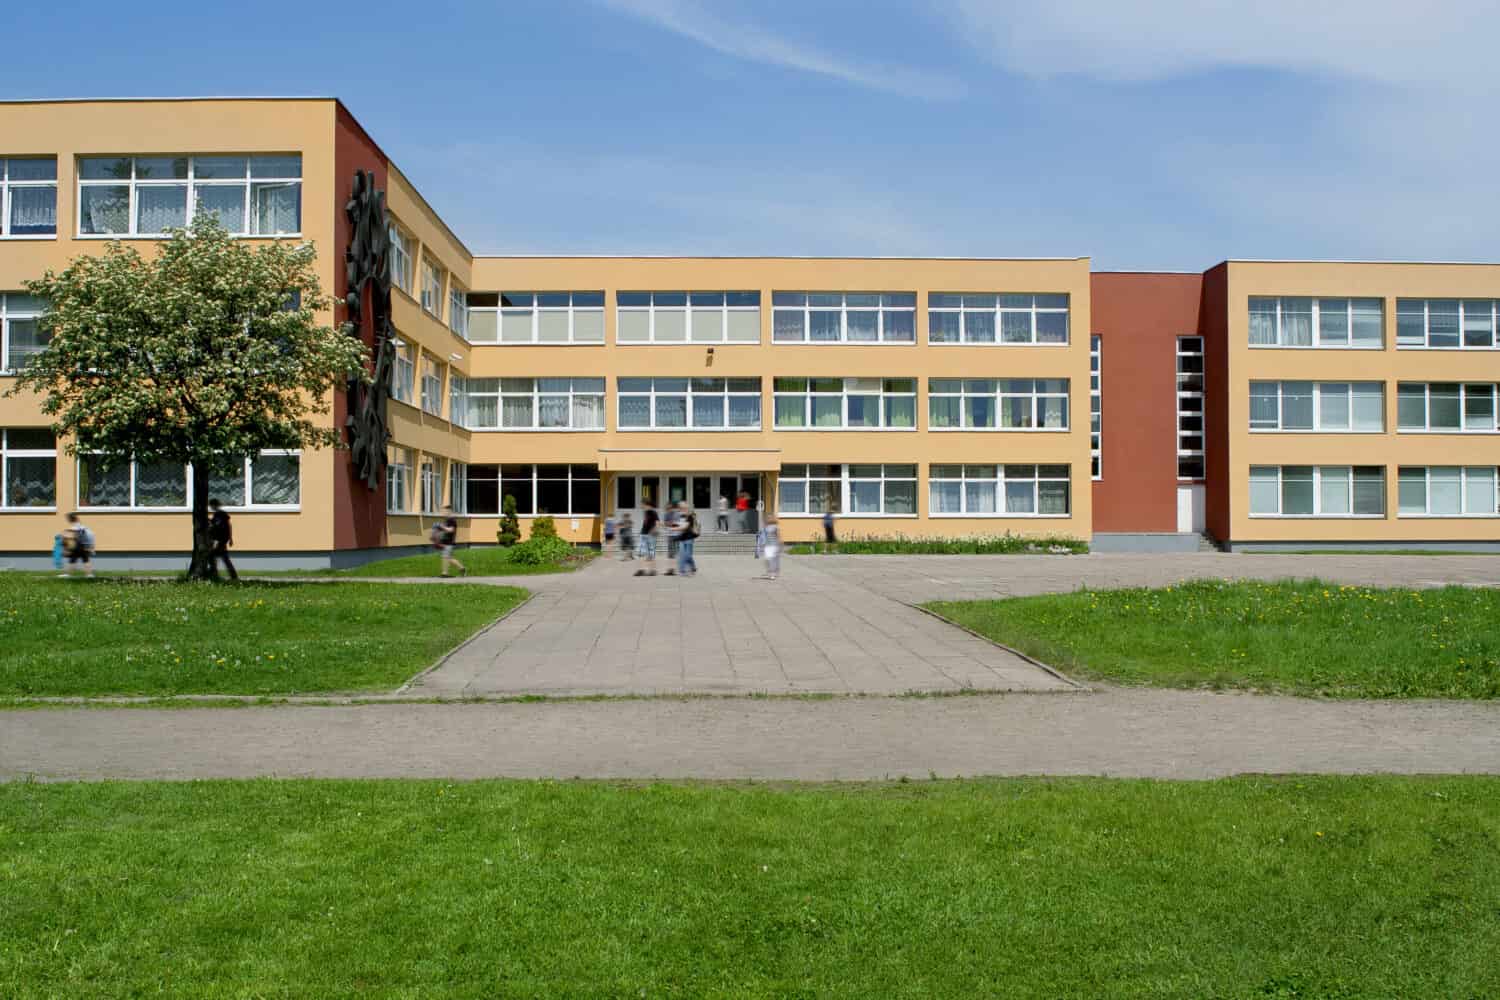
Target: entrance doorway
[[699, 490], [1190, 509]]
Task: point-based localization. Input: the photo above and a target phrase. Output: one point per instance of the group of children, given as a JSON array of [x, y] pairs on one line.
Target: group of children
[[680, 523]]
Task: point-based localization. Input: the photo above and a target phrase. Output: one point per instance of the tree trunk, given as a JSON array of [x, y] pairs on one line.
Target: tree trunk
[[202, 567]]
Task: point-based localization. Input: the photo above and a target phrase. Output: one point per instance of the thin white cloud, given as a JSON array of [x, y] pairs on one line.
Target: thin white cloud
[[745, 40]]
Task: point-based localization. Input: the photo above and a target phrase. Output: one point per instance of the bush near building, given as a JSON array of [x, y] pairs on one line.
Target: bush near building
[[984, 545]]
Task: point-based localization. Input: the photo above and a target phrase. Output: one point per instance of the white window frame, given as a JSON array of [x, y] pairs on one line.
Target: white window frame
[[725, 396], [248, 506], [941, 473], [849, 386], [403, 259], [398, 473], [1005, 389], [730, 302], [458, 487], [404, 373], [1319, 471], [1318, 305], [9, 313], [458, 310], [458, 400], [573, 477], [1320, 392], [501, 389], [890, 472], [887, 304], [434, 476], [193, 183], [7, 452], [1465, 472], [998, 305], [7, 185], [434, 277], [432, 385], [1463, 409], [1096, 407], [1184, 345], [529, 306], [1484, 308]]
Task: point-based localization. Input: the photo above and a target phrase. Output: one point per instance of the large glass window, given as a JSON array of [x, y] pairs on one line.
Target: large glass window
[[1446, 407], [536, 317], [845, 404], [28, 468], [1446, 323], [871, 490], [398, 480], [458, 487], [1190, 432], [433, 475], [704, 404], [1447, 491], [458, 310], [433, 277], [1299, 321], [844, 317], [998, 491], [271, 480], [1317, 406], [432, 385], [687, 317], [28, 196], [1096, 405], [403, 256], [1005, 404], [1317, 491], [535, 404], [562, 490], [996, 318], [146, 195], [21, 336], [404, 373]]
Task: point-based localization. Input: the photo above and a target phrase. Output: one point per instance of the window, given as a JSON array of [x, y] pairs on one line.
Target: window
[[689, 404], [458, 311], [28, 196], [844, 317], [1006, 318], [1189, 407], [403, 373], [1445, 407], [146, 195], [403, 257], [566, 490], [432, 385], [998, 491], [21, 336], [272, 479], [1317, 491], [536, 317], [862, 490], [28, 468], [458, 487], [458, 400], [687, 317], [1317, 406], [432, 287], [854, 404], [397, 480], [432, 484], [1005, 404], [1446, 323], [1307, 322], [535, 404], [1447, 491], [1096, 406]]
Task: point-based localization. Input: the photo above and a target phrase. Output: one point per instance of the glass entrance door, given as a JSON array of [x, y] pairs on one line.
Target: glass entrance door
[[701, 491]]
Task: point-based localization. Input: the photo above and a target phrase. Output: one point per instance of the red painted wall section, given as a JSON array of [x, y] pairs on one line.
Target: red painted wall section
[[1138, 318], [359, 512], [1214, 322]]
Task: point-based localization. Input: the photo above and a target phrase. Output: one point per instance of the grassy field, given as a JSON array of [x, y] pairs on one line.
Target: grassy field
[[982, 545], [119, 636], [1306, 637], [1321, 887], [490, 560]]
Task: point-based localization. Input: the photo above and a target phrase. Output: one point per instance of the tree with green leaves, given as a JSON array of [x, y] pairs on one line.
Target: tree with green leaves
[[205, 354]]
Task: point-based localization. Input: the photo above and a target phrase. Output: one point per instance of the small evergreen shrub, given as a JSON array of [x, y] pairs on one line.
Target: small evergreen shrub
[[543, 527], [510, 525], [541, 551]]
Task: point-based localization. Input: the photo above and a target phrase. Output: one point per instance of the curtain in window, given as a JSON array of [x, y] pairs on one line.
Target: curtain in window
[[226, 202], [1411, 491], [828, 411], [1479, 489], [671, 411], [1052, 498], [1296, 322], [744, 411], [708, 411], [900, 411], [158, 208], [160, 484], [33, 211], [943, 411], [981, 497], [104, 209], [275, 479], [26, 341], [104, 482], [901, 497], [1020, 498], [515, 411], [553, 411], [1444, 496], [635, 411], [277, 208], [31, 481], [588, 412], [791, 411], [945, 498], [227, 485]]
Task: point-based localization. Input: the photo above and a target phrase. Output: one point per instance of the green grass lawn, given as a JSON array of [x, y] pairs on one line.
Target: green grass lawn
[[156, 637], [1304, 637], [487, 561], [1253, 887]]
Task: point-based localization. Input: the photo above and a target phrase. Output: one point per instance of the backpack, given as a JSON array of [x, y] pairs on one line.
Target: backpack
[[690, 527], [436, 534], [83, 537]]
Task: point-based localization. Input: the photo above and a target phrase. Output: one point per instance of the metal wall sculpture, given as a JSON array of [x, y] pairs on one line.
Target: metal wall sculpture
[[367, 263]]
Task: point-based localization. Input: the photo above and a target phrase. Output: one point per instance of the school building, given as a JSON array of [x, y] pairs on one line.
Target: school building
[[1258, 404]]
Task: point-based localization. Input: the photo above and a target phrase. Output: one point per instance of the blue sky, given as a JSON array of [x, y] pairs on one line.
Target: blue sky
[[1148, 135]]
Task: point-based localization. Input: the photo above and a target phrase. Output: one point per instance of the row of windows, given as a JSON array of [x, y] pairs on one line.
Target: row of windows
[[479, 489], [1360, 406], [1359, 491], [1301, 321], [953, 490]]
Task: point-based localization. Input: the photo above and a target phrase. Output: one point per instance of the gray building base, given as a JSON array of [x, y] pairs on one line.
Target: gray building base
[[1375, 546], [1145, 541]]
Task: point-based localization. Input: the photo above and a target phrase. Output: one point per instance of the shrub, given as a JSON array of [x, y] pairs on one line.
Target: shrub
[[1006, 544], [543, 527], [541, 551], [510, 525]]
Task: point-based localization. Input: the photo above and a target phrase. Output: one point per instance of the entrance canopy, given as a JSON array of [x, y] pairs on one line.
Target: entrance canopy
[[689, 460]]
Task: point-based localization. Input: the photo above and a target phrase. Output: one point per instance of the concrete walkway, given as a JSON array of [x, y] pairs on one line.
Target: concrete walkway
[[1161, 734]]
